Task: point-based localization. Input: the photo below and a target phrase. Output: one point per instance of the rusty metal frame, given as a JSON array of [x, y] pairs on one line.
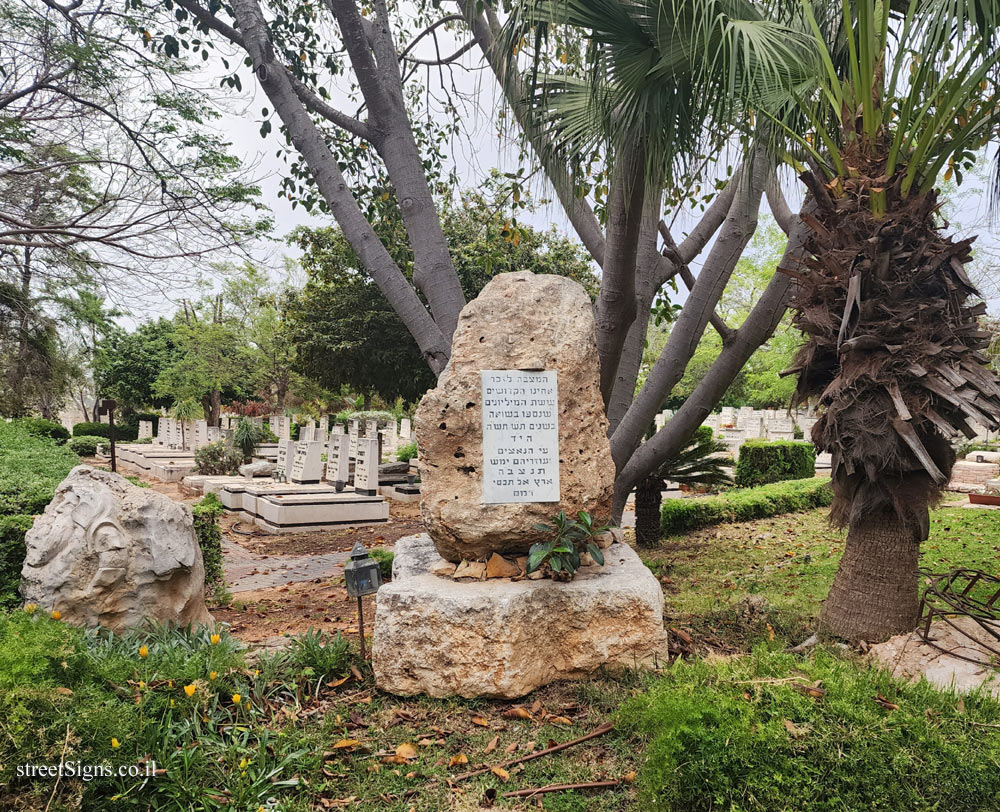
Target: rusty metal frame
[[948, 596]]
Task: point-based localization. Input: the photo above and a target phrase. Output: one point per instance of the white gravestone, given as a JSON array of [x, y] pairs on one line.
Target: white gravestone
[[338, 466], [520, 436], [405, 431], [307, 465], [286, 452], [352, 433], [200, 433], [366, 467], [145, 429], [337, 428], [371, 428], [306, 433]]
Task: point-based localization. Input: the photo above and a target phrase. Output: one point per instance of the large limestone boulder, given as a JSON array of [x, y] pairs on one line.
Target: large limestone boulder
[[505, 638], [520, 321], [108, 553]]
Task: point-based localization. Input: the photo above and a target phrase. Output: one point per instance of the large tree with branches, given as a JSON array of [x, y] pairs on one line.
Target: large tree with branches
[[297, 52]]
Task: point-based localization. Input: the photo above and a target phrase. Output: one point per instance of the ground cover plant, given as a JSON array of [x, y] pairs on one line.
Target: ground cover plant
[[735, 584], [777, 732], [86, 445], [31, 467]]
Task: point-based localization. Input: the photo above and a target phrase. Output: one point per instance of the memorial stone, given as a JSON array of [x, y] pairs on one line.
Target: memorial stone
[[366, 467], [338, 466], [307, 464]]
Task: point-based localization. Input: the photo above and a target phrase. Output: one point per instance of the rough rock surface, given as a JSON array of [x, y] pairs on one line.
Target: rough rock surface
[[108, 553], [503, 638], [262, 468], [519, 321], [909, 657]]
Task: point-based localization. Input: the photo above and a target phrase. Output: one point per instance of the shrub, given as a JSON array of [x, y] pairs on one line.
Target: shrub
[[86, 444], [12, 530], [123, 434], [319, 654], [45, 428], [745, 734], [745, 504], [383, 418], [206, 527], [384, 558], [407, 452], [218, 459], [31, 467], [761, 462]]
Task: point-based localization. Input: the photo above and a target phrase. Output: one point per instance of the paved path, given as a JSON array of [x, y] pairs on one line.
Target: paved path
[[245, 570]]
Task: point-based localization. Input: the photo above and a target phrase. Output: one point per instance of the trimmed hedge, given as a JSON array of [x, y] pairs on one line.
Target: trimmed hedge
[[31, 468], [41, 427], [206, 527], [763, 461], [745, 504], [12, 551], [86, 445], [122, 433]]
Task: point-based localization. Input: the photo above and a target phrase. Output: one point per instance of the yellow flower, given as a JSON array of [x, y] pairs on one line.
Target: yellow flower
[[237, 699], [142, 684], [215, 639], [115, 743], [56, 614], [30, 608], [213, 674], [170, 683], [143, 652], [189, 689], [243, 763], [171, 703]]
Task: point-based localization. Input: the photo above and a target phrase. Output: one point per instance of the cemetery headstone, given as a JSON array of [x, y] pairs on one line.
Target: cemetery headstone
[[307, 464], [366, 467], [338, 466]]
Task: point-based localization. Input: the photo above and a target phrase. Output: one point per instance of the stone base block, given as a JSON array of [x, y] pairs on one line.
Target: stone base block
[[504, 638]]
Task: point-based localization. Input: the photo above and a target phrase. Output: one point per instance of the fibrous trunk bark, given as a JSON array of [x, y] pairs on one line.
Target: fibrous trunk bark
[[875, 592], [648, 496]]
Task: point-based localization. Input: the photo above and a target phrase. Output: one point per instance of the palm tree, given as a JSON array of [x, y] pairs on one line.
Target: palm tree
[[894, 352], [872, 105], [185, 410], [697, 463]]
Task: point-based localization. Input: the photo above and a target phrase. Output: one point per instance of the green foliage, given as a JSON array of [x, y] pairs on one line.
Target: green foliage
[[763, 461], [122, 433], [245, 437], [140, 703], [341, 314], [218, 459], [569, 539], [128, 364], [407, 452], [744, 734], [12, 530], [31, 467], [206, 527], [86, 445], [45, 428], [700, 462], [384, 558], [382, 417], [744, 504], [318, 654]]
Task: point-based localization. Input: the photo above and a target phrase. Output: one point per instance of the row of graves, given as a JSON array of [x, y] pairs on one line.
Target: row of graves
[[328, 478]]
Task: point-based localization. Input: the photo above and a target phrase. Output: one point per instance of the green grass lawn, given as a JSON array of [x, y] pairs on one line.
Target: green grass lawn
[[789, 561]]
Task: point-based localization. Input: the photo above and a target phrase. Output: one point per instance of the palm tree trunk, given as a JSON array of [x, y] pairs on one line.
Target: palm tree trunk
[[648, 496], [875, 592]]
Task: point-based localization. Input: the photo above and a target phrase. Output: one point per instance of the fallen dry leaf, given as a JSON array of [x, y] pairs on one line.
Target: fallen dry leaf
[[346, 744], [482, 721], [510, 748], [500, 773], [629, 777], [885, 703], [560, 720], [457, 761], [406, 750], [518, 713], [64, 691], [492, 745], [794, 729]]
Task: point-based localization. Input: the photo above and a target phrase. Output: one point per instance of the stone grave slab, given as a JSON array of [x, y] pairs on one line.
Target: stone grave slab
[[299, 512]]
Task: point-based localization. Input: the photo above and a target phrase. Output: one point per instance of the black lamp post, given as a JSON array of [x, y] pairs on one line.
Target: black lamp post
[[108, 407], [362, 576]]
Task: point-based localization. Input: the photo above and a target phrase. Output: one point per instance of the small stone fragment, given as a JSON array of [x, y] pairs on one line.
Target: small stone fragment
[[470, 569], [500, 567], [444, 569]]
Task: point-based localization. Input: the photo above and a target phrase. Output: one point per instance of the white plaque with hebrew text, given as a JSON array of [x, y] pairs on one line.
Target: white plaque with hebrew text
[[520, 436]]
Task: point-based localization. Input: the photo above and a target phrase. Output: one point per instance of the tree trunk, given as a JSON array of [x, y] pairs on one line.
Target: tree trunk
[[874, 594], [648, 495], [368, 401], [216, 409]]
